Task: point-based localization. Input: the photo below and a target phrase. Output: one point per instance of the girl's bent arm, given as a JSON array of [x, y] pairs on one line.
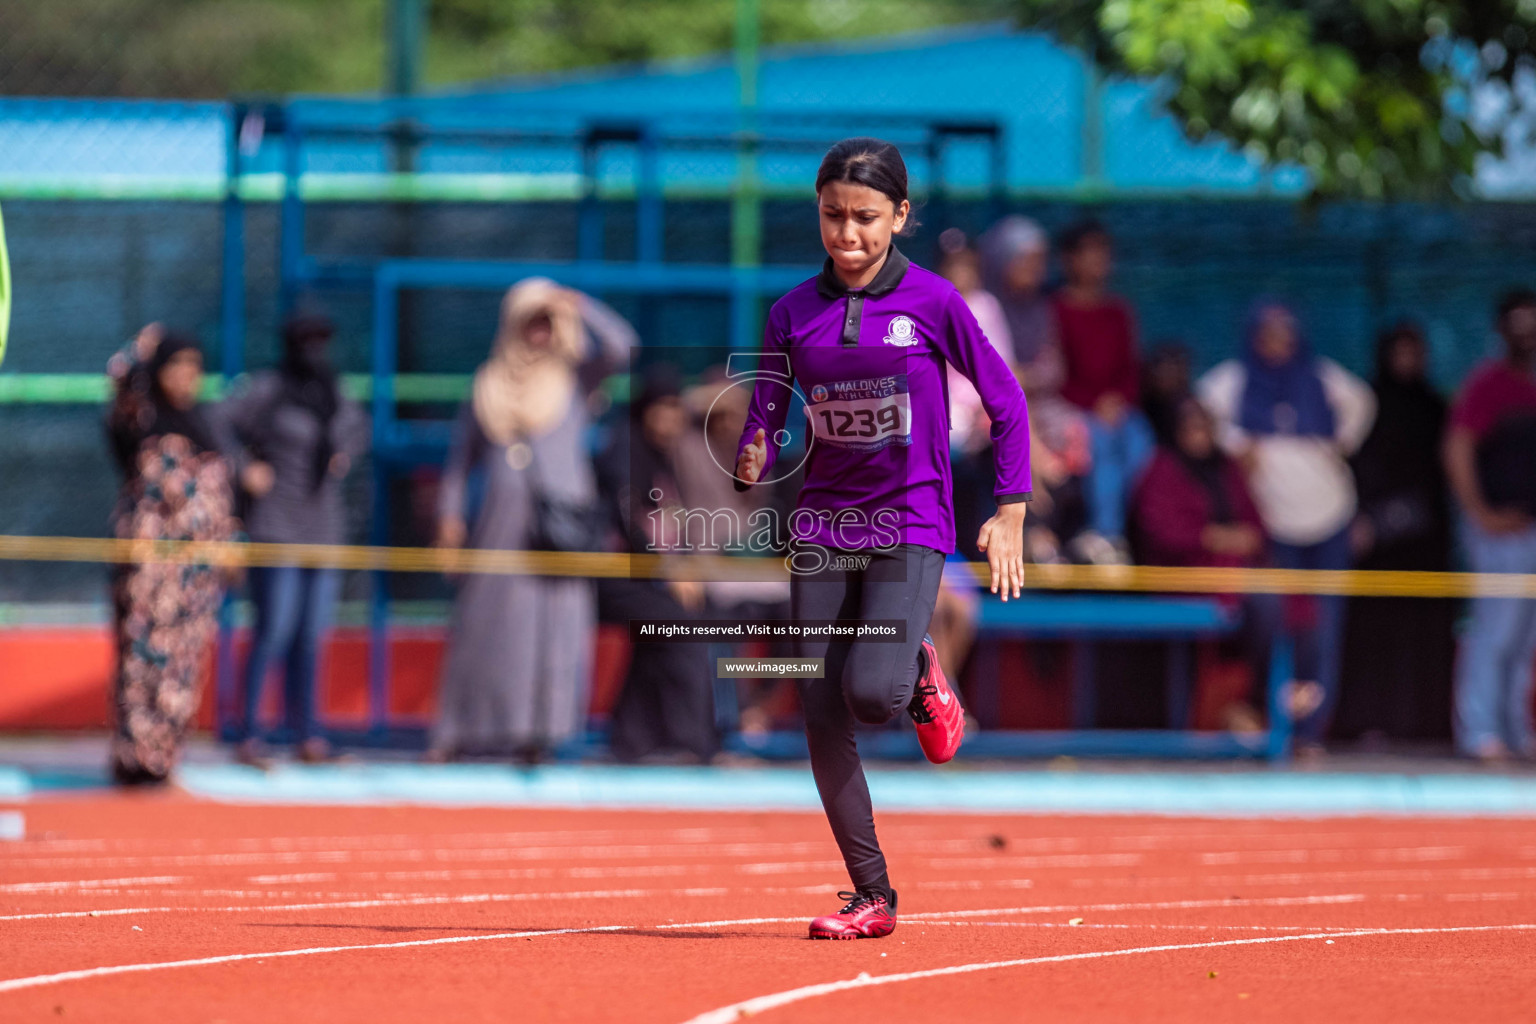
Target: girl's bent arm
[[969, 351]]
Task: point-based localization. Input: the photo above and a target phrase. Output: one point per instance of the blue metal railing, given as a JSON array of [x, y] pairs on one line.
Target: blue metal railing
[[372, 127]]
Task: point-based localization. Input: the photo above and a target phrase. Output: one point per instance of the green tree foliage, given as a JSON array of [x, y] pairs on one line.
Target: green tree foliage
[[1373, 97], [215, 48], [481, 38], [187, 48]]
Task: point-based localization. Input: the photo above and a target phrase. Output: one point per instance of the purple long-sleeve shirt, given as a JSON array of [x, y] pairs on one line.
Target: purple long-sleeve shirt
[[869, 366]]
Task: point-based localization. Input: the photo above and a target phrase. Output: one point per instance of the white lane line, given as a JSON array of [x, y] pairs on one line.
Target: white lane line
[[413, 901], [1150, 927], [1273, 901], [1267, 838], [1485, 897], [353, 900], [292, 894], [947, 885], [730, 842], [1367, 875], [758, 1004], [425, 853], [482, 874], [743, 839], [1001, 861], [1173, 838], [95, 972], [486, 874], [91, 883], [427, 850], [1363, 875], [37, 981], [1408, 854], [788, 867], [398, 840], [1084, 860], [502, 897]]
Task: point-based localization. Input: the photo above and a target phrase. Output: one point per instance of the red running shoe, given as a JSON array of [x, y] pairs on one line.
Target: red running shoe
[[866, 916], [936, 710]]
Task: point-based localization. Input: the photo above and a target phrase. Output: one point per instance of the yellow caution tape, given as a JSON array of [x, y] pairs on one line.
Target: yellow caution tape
[[1149, 578]]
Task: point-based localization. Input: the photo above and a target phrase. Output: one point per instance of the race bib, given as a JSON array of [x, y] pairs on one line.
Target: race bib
[[864, 415]]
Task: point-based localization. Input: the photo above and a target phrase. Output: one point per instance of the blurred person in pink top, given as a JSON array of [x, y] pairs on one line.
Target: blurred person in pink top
[[1015, 262], [1490, 458], [961, 266], [1098, 345], [970, 443]]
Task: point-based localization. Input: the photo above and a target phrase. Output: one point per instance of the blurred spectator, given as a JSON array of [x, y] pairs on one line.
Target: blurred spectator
[[176, 487], [1060, 453], [1398, 651], [1165, 383], [970, 434], [1490, 459], [667, 703], [1018, 248], [955, 611], [1098, 342], [299, 438], [1291, 418], [717, 406], [969, 426], [520, 647], [1014, 261], [1193, 508], [1014, 258], [703, 453]]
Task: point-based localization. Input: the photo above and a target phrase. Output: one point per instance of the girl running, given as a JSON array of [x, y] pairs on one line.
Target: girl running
[[867, 340]]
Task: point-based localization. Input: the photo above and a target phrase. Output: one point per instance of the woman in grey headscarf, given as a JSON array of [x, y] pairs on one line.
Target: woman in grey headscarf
[[520, 647], [1015, 255], [1014, 259]]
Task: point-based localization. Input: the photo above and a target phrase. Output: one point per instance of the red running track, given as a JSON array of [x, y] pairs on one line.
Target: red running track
[[169, 909]]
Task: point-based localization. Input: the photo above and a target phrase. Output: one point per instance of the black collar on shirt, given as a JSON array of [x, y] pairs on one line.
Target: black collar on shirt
[[830, 286]]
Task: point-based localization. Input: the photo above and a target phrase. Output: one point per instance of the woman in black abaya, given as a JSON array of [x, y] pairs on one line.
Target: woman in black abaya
[[1399, 651]]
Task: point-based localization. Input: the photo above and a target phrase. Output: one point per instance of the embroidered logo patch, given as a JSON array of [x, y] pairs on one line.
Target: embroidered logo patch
[[902, 331]]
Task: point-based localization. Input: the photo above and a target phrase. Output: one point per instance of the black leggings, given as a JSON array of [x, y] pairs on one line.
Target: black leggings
[[864, 681]]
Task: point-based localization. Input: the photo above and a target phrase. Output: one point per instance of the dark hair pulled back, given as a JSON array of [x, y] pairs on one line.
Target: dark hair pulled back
[[873, 163]]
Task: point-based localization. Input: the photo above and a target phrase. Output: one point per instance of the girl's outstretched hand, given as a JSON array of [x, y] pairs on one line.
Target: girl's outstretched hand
[[749, 464], [1002, 538]]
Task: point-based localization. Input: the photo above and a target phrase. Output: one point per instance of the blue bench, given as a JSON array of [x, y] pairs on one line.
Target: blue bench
[[1082, 619], [1181, 621]]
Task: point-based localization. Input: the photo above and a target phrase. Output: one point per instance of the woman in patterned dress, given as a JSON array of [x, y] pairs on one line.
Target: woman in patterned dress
[[176, 486]]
